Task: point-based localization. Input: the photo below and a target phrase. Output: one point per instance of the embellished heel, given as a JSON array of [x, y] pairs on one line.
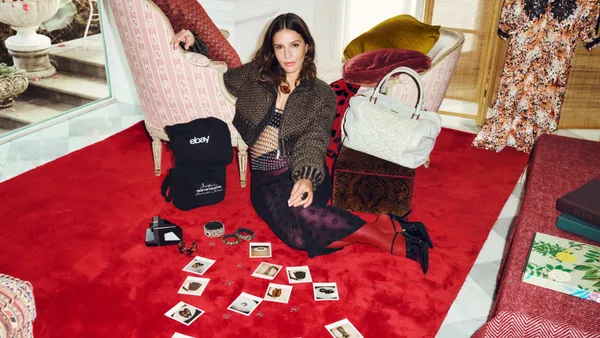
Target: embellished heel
[[416, 230], [418, 251]]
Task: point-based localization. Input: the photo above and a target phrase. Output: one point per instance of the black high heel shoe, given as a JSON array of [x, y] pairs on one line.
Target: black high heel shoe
[[416, 250], [416, 230]]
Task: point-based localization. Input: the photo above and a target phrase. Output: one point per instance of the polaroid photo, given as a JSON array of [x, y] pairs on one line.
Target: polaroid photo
[[193, 286], [184, 313], [179, 335], [298, 274], [260, 250], [245, 304], [326, 291], [267, 271], [199, 265], [343, 329], [278, 293]]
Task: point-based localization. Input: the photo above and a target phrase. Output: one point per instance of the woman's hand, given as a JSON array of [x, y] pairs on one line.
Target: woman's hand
[[303, 187], [184, 36]]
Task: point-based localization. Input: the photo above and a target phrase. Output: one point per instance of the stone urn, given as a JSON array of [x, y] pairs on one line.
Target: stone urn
[[28, 49], [11, 85]]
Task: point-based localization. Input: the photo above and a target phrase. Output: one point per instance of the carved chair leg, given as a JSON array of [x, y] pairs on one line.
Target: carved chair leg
[[156, 154], [243, 162]]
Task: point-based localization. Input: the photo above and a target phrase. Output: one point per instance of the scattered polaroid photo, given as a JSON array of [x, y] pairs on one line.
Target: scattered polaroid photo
[[184, 313], [199, 265], [278, 293], [267, 271], [260, 250], [343, 329], [298, 274], [326, 291], [245, 304], [193, 286], [179, 335]]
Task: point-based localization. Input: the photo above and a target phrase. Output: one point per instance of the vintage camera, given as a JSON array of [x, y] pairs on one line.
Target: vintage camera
[[162, 232]]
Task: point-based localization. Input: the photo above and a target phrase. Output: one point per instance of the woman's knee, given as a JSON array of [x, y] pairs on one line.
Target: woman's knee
[[294, 238], [307, 214], [297, 244]]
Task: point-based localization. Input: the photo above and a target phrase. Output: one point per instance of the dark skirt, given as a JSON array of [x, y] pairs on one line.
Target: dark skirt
[[310, 229]]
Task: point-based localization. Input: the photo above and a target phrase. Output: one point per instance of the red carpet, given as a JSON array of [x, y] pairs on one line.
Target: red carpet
[[75, 229]]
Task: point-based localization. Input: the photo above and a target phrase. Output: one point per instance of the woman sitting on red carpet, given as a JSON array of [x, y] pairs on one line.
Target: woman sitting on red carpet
[[284, 114]]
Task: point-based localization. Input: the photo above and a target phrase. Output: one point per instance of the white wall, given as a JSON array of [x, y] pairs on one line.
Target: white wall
[[245, 20], [334, 23], [323, 18], [305, 9], [251, 17]]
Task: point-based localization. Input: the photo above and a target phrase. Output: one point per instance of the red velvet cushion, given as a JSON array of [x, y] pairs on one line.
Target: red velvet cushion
[[189, 14], [367, 69]]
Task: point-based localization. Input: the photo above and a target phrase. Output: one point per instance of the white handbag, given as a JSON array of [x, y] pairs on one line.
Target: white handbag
[[385, 127]]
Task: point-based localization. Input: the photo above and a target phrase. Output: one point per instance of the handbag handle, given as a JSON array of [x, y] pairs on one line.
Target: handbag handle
[[166, 188], [413, 75]]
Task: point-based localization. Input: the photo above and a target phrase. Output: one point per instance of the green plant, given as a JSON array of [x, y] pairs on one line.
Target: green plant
[[6, 70]]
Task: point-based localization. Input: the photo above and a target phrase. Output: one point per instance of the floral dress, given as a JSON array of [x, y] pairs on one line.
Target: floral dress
[[532, 88]]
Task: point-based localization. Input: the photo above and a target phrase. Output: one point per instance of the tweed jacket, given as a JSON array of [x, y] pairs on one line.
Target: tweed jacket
[[306, 126]]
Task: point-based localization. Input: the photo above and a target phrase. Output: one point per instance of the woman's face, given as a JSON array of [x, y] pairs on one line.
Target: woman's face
[[290, 50]]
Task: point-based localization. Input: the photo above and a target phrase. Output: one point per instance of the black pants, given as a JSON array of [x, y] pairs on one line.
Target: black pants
[[310, 229]]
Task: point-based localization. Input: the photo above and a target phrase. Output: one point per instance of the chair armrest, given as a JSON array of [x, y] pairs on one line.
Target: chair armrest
[[199, 60]]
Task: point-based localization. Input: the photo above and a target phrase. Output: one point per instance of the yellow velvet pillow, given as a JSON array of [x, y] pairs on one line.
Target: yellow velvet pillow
[[402, 31]]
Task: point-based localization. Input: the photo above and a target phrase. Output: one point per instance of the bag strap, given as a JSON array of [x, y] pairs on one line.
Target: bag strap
[[401, 70], [166, 188]]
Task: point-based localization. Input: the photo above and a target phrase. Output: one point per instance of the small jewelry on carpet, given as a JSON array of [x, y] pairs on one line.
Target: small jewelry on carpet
[[226, 316], [240, 265], [226, 239], [294, 309], [214, 229], [187, 251], [211, 244], [245, 234], [229, 282], [260, 314]]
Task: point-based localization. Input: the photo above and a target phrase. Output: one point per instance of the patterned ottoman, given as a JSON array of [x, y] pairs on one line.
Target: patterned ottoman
[[17, 308], [364, 183]]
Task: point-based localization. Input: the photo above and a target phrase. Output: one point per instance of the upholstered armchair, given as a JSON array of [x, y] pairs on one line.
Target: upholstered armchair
[[17, 308], [444, 58], [174, 86]]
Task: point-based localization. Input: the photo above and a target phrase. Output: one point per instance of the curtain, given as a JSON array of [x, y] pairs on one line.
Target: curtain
[[473, 18]]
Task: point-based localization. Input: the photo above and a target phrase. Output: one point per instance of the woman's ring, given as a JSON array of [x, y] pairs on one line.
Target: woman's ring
[[305, 195]]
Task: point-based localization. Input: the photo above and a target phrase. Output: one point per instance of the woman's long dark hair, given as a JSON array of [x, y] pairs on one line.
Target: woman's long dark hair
[[270, 71]]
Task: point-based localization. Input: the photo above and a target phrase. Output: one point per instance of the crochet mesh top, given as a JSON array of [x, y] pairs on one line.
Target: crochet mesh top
[[265, 154]]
